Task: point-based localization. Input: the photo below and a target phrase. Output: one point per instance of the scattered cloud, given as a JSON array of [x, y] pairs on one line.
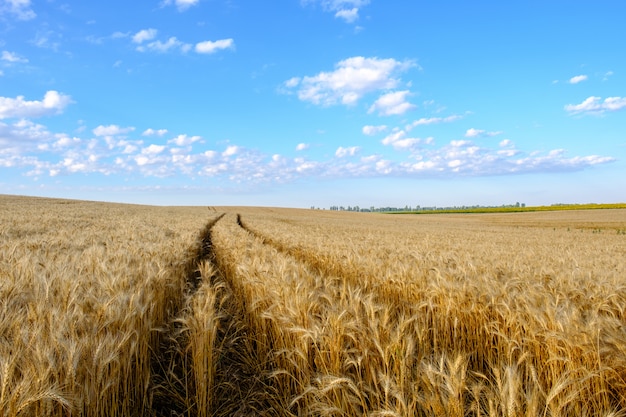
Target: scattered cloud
[[350, 151], [113, 151], [348, 10], [399, 140], [292, 82], [302, 146], [184, 140], [144, 35], [154, 132], [12, 57], [463, 157], [146, 41], [607, 75], [162, 47], [20, 9], [595, 105], [350, 81], [209, 47], [349, 15], [181, 5], [393, 103], [153, 149], [373, 130], [432, 120], [578, 79], [231, 150], [478, 133], [22, 134], [112, 130], [53, 102]]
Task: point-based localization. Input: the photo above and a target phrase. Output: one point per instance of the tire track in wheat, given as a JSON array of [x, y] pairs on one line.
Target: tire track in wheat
[[208, 366]]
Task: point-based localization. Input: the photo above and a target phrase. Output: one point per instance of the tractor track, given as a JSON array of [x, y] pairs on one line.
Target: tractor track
[[169, 370], [237, 385], [329, 268], [321, 267]]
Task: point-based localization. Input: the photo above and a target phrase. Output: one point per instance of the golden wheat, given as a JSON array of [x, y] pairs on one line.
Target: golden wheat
[[84, 289], [127, 310], [531, 314]]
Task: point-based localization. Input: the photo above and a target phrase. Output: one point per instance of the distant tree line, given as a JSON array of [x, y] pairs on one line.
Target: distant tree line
[[409, 208]]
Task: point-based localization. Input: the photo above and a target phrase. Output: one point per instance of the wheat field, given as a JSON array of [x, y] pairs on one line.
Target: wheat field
[[125, 310]]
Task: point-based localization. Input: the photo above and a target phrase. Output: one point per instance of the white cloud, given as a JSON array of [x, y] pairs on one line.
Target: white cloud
[[304, 167], [65, 141], [181, 5], [21, 9], [53, 103], [393, 103], [292, 82], [129, 148], [432, 120], [12, 57], [352, 79], [614, 103], [398, 140], [153, 149], [24, 144], [143, 38], [142, 160], [349, 15], [343, 152], [209, 47], [454, 163], [112, 130], [459, 143], [302, 146], [406, 143], [471, 133], [231, 150], [21, 135], [184, 4], [184, 140], [463, 157], [479, 133], [577, 79], [595, 105], [371, 158], [73, 165], [347, 10], [373, 130], [162, 47], [144, 35], [244, 166], [153, 132]]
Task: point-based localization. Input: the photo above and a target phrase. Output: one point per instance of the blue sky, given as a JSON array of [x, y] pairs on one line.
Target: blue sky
[[303, 103]]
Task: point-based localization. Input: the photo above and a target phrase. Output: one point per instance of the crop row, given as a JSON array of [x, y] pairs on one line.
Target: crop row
[[87, 291], [501, 326]]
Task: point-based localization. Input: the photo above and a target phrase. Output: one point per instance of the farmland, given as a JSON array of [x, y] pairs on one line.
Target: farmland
[[123, 310]]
